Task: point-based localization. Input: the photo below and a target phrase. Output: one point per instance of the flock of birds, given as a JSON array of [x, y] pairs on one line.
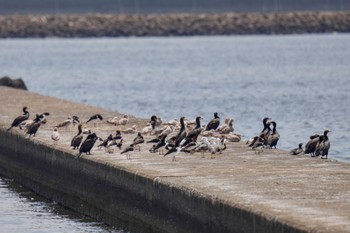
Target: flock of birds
[[170, 137]]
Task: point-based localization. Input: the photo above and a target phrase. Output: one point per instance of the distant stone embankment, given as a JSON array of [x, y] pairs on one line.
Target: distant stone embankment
[[104, 25]]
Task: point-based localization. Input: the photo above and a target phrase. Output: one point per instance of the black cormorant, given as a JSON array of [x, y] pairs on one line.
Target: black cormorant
[[87, 145], [77, 139], [214, 123], [298, 150], [18, 120]]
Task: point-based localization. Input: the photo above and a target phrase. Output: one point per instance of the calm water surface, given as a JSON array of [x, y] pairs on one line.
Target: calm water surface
[[21, 211], [301, 81]]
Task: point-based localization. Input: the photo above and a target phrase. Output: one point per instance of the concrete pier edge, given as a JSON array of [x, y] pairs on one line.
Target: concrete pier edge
[[239, 191], [123, 198]]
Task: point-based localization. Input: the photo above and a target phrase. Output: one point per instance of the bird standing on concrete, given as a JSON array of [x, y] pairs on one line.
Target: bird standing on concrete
[[77, 139], [310, 146], [138, 140], [127, 150], [34, 127], [298, 150], [72, 120], [87, 145], [326, 144], [274, 136], [214, 123], [55, 136], [194, 133], [18, 120]]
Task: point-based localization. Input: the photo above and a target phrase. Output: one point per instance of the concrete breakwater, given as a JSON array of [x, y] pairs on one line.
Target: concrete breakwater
[[239, 191], [105, 25]]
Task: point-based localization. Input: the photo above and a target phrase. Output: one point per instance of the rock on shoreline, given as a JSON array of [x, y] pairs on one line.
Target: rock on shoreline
[[14, 83], [106, 25]]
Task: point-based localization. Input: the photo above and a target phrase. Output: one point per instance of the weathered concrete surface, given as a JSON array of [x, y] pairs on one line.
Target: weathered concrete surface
[[239, 191], [108, 25]]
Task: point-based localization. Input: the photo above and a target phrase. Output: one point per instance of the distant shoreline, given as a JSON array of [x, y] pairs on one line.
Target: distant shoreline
[[108, 25]]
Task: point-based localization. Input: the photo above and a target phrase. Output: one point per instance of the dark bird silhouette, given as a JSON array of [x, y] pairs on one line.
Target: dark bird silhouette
[[138, 140], [33, 129], [274, 136], [127, 150], [194, 133], [159, 145], [95, 117], [266, 130], [323, 145], [298, 150], [105, 142], [214, 123], [173, 150], [179, 137], [326, 144], [310, 146], [319, 146], [251, 141], [182, 132], [259, 144], [18, 120], [112, 143], [87, 145], [77, 139], [155, 140]]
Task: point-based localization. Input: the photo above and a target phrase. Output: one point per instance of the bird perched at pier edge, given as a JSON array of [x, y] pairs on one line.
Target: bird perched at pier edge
[[87, 145], [34, 127], [55, 136], [18, 120], [214, 123], [326, 144], [311, 145], [298, 150], [274, 136], [95, 117], [77, 139], [323, 145]]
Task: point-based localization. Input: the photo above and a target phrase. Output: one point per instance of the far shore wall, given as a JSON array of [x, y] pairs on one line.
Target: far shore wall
[[108, 25]]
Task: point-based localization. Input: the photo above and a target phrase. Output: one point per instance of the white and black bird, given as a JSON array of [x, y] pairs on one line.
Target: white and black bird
[[273, 137], [18, 120], [94, 118]]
